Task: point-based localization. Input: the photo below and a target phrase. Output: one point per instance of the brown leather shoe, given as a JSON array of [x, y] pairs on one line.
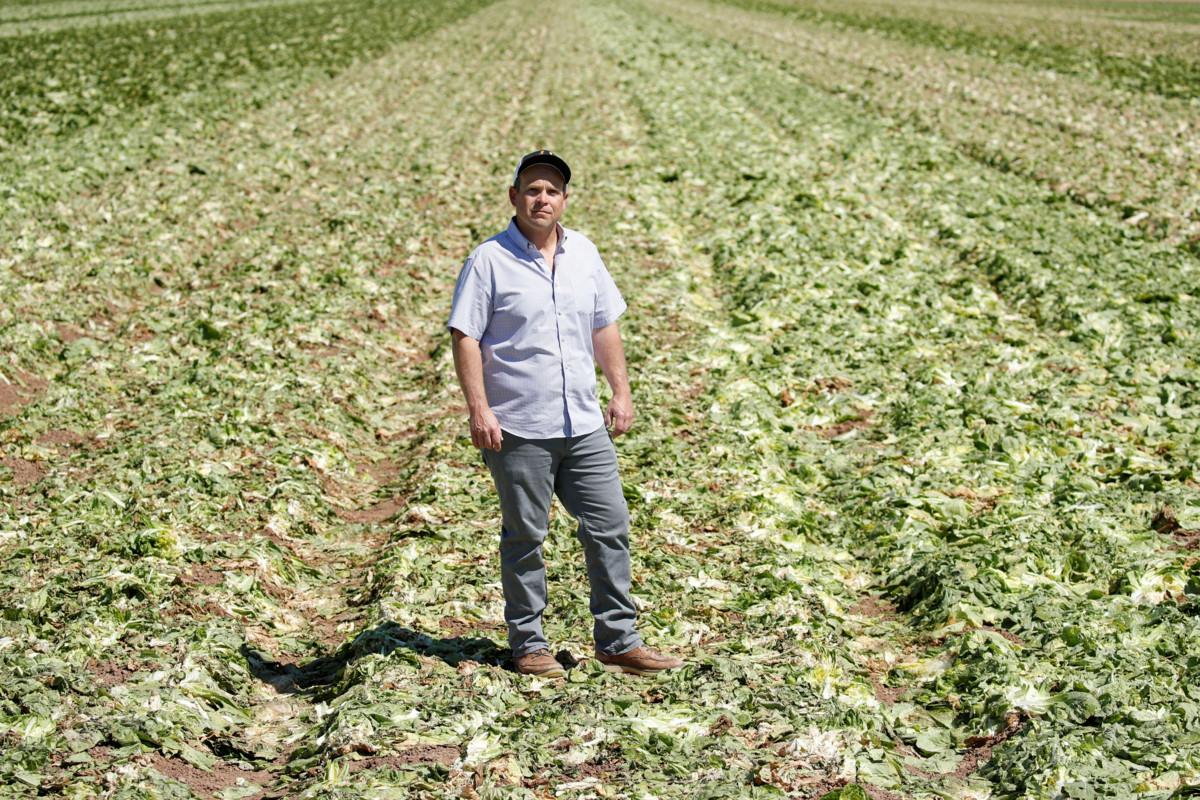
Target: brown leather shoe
[[638, 661], [539, 663]]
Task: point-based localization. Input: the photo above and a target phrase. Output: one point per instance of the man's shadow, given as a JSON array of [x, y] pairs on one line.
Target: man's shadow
[[383, 639]]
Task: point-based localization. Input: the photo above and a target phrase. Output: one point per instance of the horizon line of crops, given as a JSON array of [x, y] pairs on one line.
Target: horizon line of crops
[[109, 12], [53, 84], [1127, 9], [1158, 73]]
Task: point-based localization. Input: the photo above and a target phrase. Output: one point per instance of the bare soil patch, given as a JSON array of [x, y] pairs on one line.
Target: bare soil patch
[[380, 512], [823, 787], [200, 575], [1189, 540], [276, 592], [111, 673], [382, 471], [979, 502], [832, 384], [860, 421], [322, 351], [879, 793], [205, 783], [888, 695], [404, 434], [979, 748], [718, 728], [602, 766], [62, 437], [100, 753], [284, 544], [23, 390], [455, 626], [24, 472], [140, 334], [325, 629], [444, 754], [68, 333], [1166, 523], [874, 607]]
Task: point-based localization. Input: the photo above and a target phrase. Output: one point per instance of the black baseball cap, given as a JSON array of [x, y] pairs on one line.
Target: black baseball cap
[[542, 157]]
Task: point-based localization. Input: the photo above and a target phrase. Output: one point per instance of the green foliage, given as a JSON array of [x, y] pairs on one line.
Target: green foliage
[[57, 82], [1171, 74], [848, 792], [912, 481]]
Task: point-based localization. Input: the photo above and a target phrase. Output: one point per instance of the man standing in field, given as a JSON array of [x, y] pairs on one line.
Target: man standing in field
[[533, 312]]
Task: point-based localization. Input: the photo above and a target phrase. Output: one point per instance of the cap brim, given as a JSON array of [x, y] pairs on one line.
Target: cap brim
[[549, 159]]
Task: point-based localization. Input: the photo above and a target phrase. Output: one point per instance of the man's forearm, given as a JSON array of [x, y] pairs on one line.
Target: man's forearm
[[610, 355], [468, 364]]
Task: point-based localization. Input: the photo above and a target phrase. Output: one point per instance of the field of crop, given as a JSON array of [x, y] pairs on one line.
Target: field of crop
[[914, 297]]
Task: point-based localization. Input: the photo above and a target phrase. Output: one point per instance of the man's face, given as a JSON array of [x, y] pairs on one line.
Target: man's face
[[540, 198]]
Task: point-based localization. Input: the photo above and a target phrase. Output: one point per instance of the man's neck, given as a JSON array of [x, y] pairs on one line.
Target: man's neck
[[542, 240]]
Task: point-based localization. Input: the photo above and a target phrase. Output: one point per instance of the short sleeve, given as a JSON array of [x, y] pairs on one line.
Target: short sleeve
[[471, 308], [609, 303]]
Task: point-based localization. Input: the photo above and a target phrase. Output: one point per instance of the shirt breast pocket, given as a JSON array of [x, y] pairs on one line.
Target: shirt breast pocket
[[585, 299], [519, 311]]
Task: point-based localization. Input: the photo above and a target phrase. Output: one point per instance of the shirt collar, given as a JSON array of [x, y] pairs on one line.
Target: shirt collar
[[518, 238]]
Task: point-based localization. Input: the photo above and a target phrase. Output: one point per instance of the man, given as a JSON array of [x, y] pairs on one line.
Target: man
[[533, 311]]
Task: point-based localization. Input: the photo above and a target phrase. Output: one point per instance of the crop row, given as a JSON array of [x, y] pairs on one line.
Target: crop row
[[55, 83], [1116, 54], [892, 486], [1130, 155], [26, 20], [765, 700], [204, 397], [1070, 268], [234, 496], [989, 485], [101, 11]]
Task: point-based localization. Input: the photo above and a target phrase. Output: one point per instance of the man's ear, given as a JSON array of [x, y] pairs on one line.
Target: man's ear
[[512, 196]]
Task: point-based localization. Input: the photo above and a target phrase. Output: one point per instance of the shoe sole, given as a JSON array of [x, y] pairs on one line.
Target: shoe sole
[[550, 673], [633, 670]]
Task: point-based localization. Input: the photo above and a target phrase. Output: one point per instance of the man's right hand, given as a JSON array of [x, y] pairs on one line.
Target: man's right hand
[[485, 429]]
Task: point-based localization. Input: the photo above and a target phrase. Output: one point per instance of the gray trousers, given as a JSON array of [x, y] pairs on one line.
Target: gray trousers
[[582, 471]]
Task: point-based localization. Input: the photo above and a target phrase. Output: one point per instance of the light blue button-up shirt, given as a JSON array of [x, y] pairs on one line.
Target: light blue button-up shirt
[[534, 328]]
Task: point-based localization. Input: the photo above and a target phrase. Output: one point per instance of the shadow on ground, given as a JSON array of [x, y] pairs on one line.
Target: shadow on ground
[[383, 639]]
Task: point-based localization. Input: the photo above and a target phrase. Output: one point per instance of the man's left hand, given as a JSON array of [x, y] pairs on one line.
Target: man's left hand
[[618, 418]]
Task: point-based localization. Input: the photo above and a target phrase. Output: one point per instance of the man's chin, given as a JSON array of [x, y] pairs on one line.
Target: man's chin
[[541, 223]]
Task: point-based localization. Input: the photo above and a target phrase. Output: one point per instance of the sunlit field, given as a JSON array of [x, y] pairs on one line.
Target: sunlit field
[[914, 291]]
